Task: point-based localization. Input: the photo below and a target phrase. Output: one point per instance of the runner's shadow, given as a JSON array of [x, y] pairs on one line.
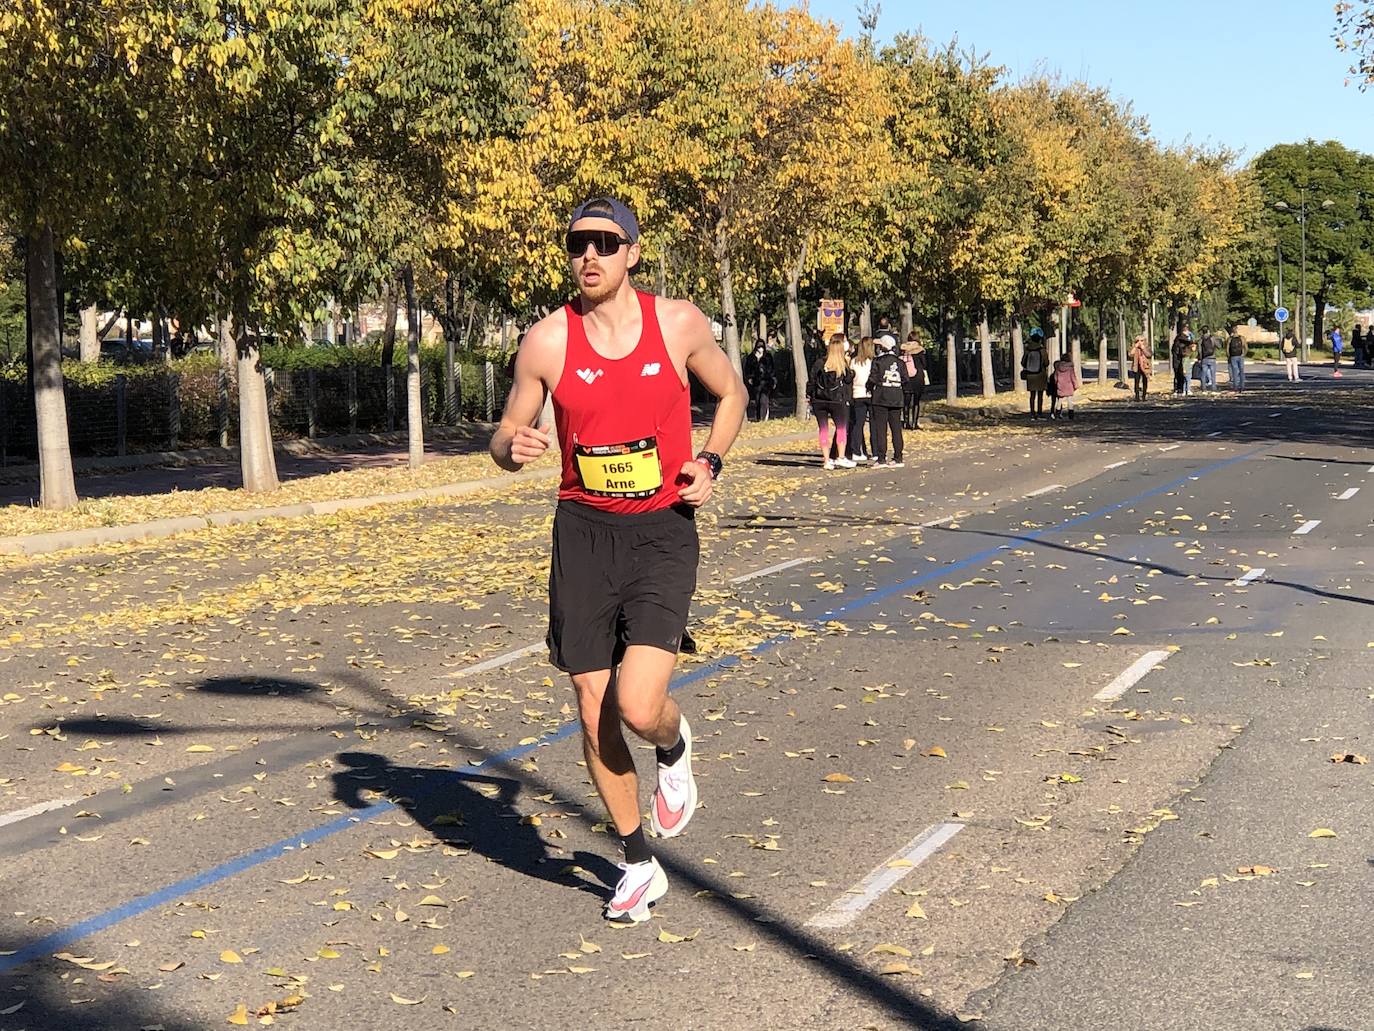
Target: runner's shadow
[[475, 812]]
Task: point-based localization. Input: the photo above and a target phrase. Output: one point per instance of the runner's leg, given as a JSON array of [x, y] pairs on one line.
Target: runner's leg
[[608, 757]]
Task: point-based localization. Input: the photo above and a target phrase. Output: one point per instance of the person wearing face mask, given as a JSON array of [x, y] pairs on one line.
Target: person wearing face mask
[[887, 380], [760, 380]]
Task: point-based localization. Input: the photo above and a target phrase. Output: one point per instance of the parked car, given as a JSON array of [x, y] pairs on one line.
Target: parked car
[[131, 352]]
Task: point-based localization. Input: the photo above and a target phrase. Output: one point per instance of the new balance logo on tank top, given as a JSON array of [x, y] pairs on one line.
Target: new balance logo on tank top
[[624, 425]]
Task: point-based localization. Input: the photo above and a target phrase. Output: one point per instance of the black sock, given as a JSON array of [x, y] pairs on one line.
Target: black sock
[[668, 756], [636, 848]]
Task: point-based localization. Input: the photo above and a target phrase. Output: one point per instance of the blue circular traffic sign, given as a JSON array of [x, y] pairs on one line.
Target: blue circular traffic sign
[[1281, 314]]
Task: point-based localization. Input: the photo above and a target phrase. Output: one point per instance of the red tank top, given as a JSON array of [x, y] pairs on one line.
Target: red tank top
[[624, 425]]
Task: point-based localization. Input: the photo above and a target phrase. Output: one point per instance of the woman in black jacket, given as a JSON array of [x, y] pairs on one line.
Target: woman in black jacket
[[828, 388], [759, 380], [887, 381]]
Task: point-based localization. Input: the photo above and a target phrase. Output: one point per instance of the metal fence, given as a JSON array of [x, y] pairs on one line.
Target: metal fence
[[168, 411]]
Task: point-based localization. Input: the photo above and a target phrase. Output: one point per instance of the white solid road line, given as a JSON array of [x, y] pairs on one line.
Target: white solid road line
[[1215, 433], [36, 810], [1132, 675], [767, 570], [1248, 578], [493, 663], [1275, 415], [1349, 494], [1308, 526], [1171, 447], [845, 909], [1044, 490], [939, 522], [1371, 468], [1118, 465]]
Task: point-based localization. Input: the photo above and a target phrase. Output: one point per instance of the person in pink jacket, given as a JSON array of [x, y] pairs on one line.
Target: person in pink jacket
[[1063, 383]]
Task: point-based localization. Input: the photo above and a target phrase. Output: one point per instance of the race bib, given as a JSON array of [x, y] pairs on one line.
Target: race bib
[[628, 470]]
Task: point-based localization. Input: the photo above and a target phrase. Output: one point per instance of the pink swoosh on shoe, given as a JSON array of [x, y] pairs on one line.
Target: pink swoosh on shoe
[[633, 899], [667, 818]]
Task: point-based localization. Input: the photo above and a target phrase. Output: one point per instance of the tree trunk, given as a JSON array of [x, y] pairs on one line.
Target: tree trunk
[[866, 320], [794, 331], [985, 356], [1121, 347], [415, 428], [951, 361], [1018, 351], [1102, 357], [907, 319], [256, 457], [1076, 356], [226, 350], [57, 485], [661, 278], [730, 328], [1318, 316], [763, 327], [90, 335], [389, 301]]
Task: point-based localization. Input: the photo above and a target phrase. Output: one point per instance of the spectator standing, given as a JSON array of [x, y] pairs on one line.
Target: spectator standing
[[1288, 347], [862, 364], [1035, 371], [1235, 356], [1176, 350], [1064, 383], [1211, 343], [1142, 366], [1359, 347], [914, 357], [1337, 346], [1189, 360], [887, 393], [828, 388], [760, 380]]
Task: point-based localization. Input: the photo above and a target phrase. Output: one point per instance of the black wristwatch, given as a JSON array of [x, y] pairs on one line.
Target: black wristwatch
[[712, 461]]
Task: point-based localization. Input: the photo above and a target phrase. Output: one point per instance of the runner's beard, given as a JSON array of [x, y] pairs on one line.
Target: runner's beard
[[604, 289]]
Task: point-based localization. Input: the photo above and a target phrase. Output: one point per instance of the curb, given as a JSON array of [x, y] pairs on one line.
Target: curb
[[66, 540]]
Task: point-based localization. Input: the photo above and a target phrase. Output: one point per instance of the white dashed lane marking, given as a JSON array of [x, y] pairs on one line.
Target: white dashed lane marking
[[845, 909], [1132, 675]]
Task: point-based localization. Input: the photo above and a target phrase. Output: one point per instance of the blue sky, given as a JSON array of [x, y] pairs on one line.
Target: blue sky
[[1206, 70]]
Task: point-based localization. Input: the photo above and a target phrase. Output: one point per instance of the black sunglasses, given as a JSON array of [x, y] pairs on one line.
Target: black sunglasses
[[605, 241]]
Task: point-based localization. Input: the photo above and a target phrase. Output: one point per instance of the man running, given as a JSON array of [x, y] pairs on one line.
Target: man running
[[625, 546]]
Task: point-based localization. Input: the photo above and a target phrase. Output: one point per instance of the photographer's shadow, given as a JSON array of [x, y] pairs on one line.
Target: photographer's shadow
[[453, 808]]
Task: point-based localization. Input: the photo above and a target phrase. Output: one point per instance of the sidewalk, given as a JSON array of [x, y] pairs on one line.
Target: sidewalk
[[93, 536], [168, 471]]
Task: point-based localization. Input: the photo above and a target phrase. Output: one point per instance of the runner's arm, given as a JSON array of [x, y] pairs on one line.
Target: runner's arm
[[518, 440], [707, 362]]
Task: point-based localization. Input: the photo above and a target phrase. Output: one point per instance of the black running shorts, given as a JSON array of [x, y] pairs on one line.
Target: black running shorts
[[618, 580]]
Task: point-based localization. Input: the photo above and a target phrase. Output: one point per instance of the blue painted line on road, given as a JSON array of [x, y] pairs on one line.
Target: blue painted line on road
[[60, 939]]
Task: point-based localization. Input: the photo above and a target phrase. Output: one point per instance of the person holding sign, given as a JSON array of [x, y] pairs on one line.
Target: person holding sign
[[625, 548]]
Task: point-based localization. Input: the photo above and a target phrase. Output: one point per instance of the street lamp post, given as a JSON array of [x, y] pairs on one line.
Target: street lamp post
[[1302, 275]]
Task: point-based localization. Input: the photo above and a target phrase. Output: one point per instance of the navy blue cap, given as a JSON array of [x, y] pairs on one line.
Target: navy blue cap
[[608, 207]]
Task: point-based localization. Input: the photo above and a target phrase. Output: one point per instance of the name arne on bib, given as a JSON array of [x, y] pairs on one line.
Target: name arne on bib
[[631, 470]]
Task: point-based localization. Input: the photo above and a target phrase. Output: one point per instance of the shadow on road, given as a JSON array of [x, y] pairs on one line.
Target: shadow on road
[[472, 812], [467, 810], [1174, 571]]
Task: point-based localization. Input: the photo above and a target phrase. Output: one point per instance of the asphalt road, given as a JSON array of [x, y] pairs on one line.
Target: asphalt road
[[1037, 731]]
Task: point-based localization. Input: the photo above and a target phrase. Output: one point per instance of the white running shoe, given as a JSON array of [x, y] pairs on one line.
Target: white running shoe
[[896, 465], [640, 886], [844, 463], [676, 798], [860, 458], [829, 464]]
